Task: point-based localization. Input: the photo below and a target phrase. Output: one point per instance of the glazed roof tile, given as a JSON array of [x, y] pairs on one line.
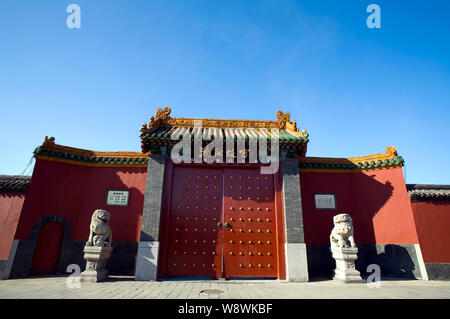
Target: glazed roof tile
[[423, 192], [157, 137], [51, 151], [162, 127], [14, 183], [388, 159]]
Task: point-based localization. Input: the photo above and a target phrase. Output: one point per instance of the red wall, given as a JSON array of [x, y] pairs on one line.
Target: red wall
[[10, 208], [76, 191], [433, 227], [377, 201]]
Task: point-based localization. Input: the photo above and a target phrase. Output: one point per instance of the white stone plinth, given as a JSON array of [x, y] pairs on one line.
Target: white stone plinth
[[96, 258], [296, 262], [345, 264], [147, 261]]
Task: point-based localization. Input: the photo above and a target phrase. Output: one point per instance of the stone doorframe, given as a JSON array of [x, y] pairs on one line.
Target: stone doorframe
[[25, 247], [295, 247]]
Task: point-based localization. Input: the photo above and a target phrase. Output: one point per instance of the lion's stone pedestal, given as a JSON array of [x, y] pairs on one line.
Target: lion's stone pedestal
[[96, 258], [345, 264], [98, 247], [344, 249]]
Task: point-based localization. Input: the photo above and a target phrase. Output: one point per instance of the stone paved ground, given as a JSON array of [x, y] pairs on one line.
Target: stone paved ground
[[120, 287]]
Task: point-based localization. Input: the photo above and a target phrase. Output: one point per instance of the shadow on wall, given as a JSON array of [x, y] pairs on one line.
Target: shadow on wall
[[357, 194], [362, 196], [395, 261], [369, 197]]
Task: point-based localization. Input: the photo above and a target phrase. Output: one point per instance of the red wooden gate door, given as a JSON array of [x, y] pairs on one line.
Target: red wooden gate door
[[195, 239], [250, 247], [48, 250]]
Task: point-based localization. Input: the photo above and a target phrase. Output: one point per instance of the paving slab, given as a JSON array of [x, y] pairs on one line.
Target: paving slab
[[127, 288]]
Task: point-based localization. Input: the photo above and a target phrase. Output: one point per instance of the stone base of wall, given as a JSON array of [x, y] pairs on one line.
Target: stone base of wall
[[122, 261], [297, 267], [438, 271], [23, 258], [394, 260], [123, 258], [3, 270], [320, 261], [398, 261]]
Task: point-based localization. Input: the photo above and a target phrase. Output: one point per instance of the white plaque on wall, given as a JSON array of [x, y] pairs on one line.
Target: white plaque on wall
[[325, 201], [117, 198]]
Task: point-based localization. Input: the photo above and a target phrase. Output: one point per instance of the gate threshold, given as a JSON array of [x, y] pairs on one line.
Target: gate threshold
[[222, 280]]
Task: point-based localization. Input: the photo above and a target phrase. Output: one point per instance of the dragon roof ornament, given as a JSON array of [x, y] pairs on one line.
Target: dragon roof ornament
[[163, 119]]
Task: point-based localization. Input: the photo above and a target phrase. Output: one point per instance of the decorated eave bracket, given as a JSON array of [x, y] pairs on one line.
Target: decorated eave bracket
[[156, 133]]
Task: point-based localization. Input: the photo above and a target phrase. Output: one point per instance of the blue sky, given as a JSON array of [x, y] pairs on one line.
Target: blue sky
[[356, 90]]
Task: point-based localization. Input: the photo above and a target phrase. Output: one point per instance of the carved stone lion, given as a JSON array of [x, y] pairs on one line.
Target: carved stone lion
[[100, 234], [342, 234]]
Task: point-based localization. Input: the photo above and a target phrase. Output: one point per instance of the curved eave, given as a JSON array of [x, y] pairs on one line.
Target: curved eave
[[76, 156], [380, 161]]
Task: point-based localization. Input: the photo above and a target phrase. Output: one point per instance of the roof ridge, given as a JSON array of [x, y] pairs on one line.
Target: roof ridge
[[389, 154], [388, 159], [50, 145], [427, 187], [163, 119], [419, 192], [15, 176], [60, 153]]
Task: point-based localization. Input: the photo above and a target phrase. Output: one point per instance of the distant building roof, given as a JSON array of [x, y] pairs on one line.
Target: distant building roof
[[421, 192], [14, 183]]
